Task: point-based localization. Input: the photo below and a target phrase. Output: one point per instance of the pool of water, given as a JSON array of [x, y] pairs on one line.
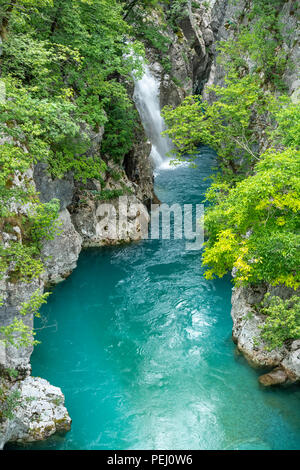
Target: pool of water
[[140, 344]]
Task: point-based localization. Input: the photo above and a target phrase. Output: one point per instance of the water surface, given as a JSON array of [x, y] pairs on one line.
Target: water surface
[[140, 344]]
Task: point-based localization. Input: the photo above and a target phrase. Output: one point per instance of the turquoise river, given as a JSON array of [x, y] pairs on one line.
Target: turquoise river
[[140, 344]]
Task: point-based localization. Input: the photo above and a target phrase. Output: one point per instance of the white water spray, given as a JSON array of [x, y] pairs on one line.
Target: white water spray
[[146, 97]]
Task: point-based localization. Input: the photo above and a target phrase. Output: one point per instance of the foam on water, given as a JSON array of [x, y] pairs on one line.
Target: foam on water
[[146, 97]]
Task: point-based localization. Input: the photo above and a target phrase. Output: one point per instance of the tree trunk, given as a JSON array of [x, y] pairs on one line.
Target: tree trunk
[[5, 21]]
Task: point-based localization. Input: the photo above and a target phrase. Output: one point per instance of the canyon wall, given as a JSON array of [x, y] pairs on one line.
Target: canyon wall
[[192, 66]]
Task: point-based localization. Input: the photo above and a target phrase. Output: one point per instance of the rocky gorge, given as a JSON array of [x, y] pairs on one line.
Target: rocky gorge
[[193, 65]]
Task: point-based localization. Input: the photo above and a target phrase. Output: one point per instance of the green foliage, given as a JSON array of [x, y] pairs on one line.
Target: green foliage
[[226, 125], [65, 66], [33, 305], [282, 322], [18, 334], [43, 221], [21, 260], [151, 29], [12, 373], [117, 140], [8, 402], [254, 226], [41, 130], [151, 34], [146, 6], [109, 194], [287, 132], [73, 67], [154, 36]]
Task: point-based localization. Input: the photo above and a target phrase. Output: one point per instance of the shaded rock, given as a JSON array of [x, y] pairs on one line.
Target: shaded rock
[[94, 137], [60, 255], [50, 188], [14, 294], [275, 377], [291, 362], [138, 168]]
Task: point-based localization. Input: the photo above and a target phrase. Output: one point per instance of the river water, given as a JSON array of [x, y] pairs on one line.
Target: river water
[[140, 344]]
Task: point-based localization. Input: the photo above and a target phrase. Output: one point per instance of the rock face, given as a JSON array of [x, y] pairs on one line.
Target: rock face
[[49, 188], [61, 254], [247, 325], [275, 377], [39, 412], [230, 13], [191, 51], [138, 168], [112, 213], [13, 295]]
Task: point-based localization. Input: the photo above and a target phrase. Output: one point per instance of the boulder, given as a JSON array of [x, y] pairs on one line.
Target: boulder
[[39, 412], [275, 377]]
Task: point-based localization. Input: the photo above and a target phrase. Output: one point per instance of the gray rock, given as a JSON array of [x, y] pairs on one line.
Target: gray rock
[[14, 294], [61, 254], [138, 168], [48, 188], [247, 328], [291, 362], [246, 332], [40, 412]]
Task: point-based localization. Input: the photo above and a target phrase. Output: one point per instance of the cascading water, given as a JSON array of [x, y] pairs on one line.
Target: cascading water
[[146, 97]]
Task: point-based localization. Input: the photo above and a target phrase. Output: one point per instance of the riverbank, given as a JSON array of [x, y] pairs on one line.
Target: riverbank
[[146, 341]]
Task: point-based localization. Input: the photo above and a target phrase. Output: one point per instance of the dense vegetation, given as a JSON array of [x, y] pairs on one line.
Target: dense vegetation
[[65, 70], [253, 219]]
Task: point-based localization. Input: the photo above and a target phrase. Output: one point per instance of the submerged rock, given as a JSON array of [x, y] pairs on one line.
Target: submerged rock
[[275, 377]]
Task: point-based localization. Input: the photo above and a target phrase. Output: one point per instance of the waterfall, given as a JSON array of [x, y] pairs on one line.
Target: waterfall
[[146, 97]]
